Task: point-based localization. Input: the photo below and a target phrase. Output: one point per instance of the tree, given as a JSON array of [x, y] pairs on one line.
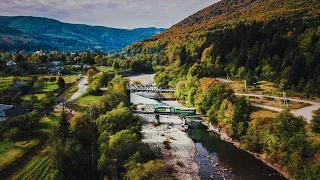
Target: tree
[[154, 169], [81, 127], [288, 125], [39, 84], [33, 99], [115, 120], [18, 58], [140, 66], [241, 72], [240, 118], [45, 80], [53, 79], [122, 145], [115, 65], [13, 135], [64, 125], [91, 73], [61, 83], [315, 122], [162, 79]]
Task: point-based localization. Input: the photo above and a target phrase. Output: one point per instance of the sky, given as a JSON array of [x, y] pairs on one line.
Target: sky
[[126, 14]]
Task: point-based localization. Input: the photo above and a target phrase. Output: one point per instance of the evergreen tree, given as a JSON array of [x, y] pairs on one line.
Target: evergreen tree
[[61, 83], [64, 125]]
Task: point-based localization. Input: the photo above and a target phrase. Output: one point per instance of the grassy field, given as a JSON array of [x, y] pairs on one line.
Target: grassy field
[[279, 103], [105, 68], [87, 100], [10, 153], [37, 168], [7, 81], [38, 103], [261, 87], [50, 87]]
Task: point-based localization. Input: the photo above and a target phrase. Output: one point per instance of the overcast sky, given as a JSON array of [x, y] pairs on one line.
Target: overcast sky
[[111, 13]]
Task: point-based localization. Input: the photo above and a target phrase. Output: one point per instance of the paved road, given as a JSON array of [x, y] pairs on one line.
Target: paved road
[[82, 86], [306, 112]]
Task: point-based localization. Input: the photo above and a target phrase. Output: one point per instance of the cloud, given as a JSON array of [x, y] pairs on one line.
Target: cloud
[[111, 13]]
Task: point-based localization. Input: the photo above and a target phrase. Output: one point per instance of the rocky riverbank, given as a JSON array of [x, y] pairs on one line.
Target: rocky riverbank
[[177, 148]]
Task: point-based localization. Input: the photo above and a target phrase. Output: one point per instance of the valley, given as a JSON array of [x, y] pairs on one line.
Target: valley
[[228, 91]]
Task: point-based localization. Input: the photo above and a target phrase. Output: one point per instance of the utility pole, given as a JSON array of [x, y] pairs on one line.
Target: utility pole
[[228, 78], [285, 100], [93, 116], [245, 85]]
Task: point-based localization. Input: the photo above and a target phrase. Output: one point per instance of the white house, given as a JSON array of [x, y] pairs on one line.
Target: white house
[[11, 64], [39, 52], [87, 66], [57, 63], [3, 109]]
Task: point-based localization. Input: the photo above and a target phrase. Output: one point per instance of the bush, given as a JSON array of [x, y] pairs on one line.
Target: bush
[[92, 90], [167, 146], [315, 122], [180, 163], [24, 123], [154, 169]]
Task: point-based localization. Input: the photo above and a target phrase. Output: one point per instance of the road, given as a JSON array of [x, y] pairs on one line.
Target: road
[[306, 112], [82, 86]]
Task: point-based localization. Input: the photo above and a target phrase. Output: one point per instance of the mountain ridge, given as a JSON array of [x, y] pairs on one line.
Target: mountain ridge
[[276, 40], [32, 33]]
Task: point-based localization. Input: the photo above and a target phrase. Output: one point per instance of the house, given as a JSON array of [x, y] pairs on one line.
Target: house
[[11, 111], [57, 65], [12, 64], [87, 66], [3, 109], [39, 52]]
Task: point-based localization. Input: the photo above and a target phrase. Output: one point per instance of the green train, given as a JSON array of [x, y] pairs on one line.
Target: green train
[[175, 110]]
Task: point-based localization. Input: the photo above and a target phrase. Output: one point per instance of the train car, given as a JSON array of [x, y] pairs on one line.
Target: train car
[[162, 109], [179, 110]]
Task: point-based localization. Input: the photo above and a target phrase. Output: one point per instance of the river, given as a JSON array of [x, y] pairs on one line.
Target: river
[[219, 159]]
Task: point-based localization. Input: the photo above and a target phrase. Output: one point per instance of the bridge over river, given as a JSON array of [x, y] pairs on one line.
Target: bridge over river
[[170, 114], [148, 88]]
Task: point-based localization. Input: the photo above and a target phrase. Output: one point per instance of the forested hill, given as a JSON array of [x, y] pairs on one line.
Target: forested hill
[[276, 40], [35, 33]]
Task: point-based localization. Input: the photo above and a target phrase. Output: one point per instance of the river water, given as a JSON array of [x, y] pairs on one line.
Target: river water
[[219, 159]]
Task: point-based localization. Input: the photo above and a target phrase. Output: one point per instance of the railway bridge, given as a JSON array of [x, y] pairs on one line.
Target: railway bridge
[[146, 88], [185, 118]]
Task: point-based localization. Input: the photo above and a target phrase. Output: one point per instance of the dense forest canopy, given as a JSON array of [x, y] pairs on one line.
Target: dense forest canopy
[[274, 40]]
